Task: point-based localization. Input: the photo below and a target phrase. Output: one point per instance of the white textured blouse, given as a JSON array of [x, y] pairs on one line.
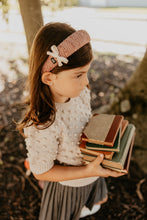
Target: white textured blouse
[[60, 141]]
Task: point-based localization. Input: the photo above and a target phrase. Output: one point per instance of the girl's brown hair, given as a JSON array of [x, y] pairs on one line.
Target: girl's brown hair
[[41, 109]]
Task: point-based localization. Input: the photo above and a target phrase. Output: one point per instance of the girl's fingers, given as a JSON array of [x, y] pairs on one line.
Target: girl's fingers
[[113, 173], [100, 171], [108, 172], [99, 158]]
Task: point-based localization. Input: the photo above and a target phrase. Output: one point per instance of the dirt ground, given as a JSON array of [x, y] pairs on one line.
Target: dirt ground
[[19, 193]]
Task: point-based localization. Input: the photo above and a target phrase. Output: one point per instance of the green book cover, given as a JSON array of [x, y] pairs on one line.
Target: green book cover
[[115, 148], [119, 158]]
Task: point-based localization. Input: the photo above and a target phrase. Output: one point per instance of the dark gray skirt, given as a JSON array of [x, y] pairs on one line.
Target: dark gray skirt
[[61, 202]]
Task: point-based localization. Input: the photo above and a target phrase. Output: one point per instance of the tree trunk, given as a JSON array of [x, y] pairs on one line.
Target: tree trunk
[[132, 103], [137, 85], [32, 18]]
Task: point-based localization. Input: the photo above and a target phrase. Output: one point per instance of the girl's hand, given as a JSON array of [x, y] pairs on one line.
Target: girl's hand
[[95, 169]]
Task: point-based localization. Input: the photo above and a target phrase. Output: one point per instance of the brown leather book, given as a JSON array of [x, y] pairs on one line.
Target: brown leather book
[[102, 129], [115, 148], [107, 154], [120, 160]]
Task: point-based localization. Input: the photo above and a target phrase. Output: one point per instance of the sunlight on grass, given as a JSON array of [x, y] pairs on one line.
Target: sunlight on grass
[[112, 30], [124, 10]]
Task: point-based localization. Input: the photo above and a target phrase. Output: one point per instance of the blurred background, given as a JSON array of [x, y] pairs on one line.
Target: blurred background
[[118, 82]]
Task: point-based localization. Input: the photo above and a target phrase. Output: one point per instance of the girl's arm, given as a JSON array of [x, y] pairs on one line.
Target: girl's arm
[[62, 173]]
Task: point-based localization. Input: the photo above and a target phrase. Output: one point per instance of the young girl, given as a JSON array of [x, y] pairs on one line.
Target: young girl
[[59, 108]]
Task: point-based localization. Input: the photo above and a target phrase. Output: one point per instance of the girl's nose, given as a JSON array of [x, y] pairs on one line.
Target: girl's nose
[[86, 80]]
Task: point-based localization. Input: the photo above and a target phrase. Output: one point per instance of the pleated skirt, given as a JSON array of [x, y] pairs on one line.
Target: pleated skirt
[[61, 202]]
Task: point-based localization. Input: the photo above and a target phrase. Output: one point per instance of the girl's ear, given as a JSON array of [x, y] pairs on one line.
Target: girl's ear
[[48, 78]]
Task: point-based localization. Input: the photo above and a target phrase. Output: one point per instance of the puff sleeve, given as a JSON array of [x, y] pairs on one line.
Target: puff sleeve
[[42, 148]]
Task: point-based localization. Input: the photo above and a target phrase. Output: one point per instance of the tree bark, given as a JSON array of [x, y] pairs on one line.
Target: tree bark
[[135, 93], [32, 18], [137, 84]]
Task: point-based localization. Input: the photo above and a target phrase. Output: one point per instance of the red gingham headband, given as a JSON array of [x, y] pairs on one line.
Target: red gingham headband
[[67, 47]]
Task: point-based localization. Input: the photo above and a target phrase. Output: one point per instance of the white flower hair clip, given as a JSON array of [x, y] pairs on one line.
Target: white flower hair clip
[[55, 54]]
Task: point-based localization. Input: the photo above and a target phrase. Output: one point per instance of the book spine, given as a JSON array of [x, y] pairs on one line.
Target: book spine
[[111, 136], [119, 163]]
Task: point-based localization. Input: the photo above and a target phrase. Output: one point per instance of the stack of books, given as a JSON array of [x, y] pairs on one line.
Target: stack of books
[[112, 136]]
